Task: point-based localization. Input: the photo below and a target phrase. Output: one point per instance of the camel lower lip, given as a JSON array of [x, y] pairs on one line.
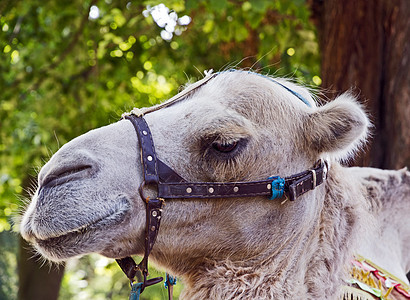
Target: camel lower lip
[[73, 233], [82, 231], [110, 220], [78, 242], [80, 224], [59, 239], [72, 238]]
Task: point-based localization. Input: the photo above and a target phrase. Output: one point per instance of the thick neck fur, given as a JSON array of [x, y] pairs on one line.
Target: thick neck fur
[[388, 194], [311, 266]]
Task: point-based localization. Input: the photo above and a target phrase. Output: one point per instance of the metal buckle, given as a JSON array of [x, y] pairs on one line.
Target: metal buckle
[[147, 198], [313, 171], [141, 191], [325, 170]]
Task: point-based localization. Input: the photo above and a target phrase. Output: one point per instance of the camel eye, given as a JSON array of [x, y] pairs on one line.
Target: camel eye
[[224, 147]]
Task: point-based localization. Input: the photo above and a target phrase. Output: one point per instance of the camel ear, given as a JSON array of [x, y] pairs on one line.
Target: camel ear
[[338, 128]]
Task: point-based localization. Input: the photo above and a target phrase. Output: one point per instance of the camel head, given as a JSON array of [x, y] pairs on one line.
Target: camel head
[[239, 126]]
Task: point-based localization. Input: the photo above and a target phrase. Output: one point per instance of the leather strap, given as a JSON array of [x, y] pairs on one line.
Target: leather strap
[[147, 149], [298, 184], [128, 266], [166, 174], [170, 281], [170, 292], [295, 186], [203, 190], [153, 206], [153, 220]]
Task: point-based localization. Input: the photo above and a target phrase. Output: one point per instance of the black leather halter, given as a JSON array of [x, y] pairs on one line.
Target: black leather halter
[[170, 185]]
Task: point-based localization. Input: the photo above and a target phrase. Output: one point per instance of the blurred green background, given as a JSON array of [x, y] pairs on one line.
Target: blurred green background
[[69, 66]]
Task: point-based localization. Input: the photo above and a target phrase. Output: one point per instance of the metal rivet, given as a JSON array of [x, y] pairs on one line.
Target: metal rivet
[[144, 132], [269, 186], [235, 189], [149, 157], [154, 213], [189, 190], [211, 190], [153, 228]]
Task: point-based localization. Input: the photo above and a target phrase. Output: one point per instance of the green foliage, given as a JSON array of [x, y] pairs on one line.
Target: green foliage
[[63, 73], [98, 278], [8, 265]]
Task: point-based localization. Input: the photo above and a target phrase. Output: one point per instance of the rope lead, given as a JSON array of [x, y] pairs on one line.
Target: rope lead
[[135, 290], [169, 280]]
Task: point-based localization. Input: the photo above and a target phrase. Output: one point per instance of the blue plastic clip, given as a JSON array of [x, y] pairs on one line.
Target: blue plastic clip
[[278, 187], [136, 288], [169, 280]]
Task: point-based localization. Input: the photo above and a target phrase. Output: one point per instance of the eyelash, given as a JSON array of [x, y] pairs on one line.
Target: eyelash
[[215, 149], [225, 147]]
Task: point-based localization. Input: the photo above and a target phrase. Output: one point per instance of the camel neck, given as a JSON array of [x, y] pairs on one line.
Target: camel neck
[[309, 264]]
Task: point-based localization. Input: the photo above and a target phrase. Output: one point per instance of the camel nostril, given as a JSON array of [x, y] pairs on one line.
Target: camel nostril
[[65, 174], [73, 170]]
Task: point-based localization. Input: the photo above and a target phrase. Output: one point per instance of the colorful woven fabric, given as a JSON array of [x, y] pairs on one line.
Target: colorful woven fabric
[[369, 281]]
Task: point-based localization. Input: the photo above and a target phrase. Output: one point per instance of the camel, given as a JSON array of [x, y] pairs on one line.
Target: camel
[[235, 126]]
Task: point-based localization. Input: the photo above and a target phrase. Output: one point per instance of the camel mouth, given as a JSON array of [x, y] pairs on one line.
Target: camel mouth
[[100, 222], [68, 243]]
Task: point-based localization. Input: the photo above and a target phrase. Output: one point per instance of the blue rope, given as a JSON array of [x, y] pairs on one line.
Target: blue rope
[[304, 100], [292, 91], [136, 288], [169, 280], [278, 187]]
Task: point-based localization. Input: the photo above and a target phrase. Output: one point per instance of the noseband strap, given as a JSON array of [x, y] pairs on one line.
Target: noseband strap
[[147, 149]]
